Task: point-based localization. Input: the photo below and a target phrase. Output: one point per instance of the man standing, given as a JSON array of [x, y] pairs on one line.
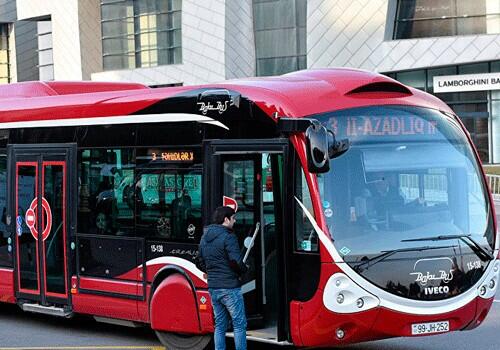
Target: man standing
[[219, 256]]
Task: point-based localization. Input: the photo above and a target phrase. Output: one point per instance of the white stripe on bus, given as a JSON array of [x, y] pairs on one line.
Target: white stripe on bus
[[122, 119], [188, 265]]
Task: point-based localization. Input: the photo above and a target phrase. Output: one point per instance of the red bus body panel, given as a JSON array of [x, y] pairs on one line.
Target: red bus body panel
[[101, 305], [312, 324], [174, 307], [293, 95], [111, 286], [7, 286]]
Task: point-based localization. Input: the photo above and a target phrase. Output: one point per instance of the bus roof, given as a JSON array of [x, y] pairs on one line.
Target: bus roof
[[296, 94]]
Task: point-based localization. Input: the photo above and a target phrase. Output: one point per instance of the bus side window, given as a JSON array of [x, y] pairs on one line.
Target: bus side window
[[105, 178], [306, 239], [168, 204]]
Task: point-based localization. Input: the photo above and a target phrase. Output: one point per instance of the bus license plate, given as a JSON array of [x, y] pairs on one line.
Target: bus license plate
[[430, 328]]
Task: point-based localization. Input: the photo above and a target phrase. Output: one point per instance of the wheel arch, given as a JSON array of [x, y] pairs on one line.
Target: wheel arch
[[164, 273]]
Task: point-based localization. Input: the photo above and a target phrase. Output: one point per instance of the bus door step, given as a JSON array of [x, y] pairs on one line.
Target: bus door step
[[48, 310]]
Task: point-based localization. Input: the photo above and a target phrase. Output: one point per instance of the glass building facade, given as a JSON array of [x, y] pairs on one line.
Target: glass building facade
[[280, 35], [431, 18], [4, 54], [140, 33], [478, 110]]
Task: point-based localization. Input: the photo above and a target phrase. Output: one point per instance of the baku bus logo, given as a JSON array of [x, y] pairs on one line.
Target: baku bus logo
[[423, 277]]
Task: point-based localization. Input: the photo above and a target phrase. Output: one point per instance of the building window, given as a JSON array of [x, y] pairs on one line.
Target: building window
[[45, 60], [431, 18], [280, 35], [140, 33], [4, 53]]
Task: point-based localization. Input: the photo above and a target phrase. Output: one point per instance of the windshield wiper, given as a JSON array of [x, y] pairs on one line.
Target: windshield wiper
[[482, 253], [385, 254]]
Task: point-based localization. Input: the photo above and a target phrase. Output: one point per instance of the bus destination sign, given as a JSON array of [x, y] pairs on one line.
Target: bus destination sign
[[358, 126], [171, 156]]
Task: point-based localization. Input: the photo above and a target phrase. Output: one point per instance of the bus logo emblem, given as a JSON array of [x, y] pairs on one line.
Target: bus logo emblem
[[439, 275], [221, 107]]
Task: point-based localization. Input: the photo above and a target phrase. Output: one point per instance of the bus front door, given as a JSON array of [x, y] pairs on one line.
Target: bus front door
[[39, 213], [250, 173]]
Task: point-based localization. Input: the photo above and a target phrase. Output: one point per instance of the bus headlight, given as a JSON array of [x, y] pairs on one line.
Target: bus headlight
[[342, 295], [489, 286], [492, 284], [360, 303], [340, 298]]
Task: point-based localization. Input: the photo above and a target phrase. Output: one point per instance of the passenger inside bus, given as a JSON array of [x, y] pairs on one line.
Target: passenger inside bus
[[181, 210]]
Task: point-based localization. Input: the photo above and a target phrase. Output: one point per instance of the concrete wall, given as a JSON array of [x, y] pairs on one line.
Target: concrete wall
[[352, 33], [89, 18], [239, 39]]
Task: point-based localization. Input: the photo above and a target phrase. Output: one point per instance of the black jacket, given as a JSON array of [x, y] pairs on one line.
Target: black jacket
[[220, 257]]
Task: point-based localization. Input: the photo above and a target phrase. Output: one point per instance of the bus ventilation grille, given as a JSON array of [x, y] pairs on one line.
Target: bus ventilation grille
[[381, 87]]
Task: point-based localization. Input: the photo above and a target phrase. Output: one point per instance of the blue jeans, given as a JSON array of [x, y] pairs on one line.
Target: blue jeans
[[229, 303]]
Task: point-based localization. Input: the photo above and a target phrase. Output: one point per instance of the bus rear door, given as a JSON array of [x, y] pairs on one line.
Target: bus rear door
[[41, 214], [250, 172]]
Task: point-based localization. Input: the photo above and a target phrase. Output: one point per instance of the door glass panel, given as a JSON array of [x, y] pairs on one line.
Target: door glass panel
[[255, 182], [272, 200], [28, 252], [239, 184], [5, 242], [53, 185]]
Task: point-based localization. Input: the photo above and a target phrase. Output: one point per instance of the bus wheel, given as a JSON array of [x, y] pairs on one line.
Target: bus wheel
[[179, 341]]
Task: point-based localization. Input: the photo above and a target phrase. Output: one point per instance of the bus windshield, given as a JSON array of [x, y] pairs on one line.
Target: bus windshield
[[409, 181]]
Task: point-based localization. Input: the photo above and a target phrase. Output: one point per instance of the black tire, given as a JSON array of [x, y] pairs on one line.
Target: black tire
[[175, 341]]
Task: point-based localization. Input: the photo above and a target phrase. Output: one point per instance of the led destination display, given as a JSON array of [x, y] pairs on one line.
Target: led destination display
[[381, 126], [171, 156]]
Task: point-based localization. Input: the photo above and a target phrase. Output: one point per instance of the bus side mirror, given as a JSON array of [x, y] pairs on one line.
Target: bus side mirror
[[336, 148], [318, 160], [322, 146]]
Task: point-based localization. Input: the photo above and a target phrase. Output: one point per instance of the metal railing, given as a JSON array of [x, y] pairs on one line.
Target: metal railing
[[494, 185]]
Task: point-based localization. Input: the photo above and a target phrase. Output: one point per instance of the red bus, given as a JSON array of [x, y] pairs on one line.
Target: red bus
[[376, 220]]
